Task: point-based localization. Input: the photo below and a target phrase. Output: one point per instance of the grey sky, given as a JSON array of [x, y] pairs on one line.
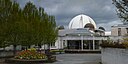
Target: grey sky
[[102, 11]]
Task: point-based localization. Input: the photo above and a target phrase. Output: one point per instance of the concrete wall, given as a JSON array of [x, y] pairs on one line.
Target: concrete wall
[[114, 56], [114, 31]]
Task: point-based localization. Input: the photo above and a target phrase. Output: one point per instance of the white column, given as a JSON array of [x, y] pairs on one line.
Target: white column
[[100, 41], [82, 42], [66, 43], [58, 43], [89, 44], [61, 44], [93, 43]]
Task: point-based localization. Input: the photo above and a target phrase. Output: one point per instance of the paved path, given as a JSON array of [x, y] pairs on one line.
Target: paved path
[[78, 59]]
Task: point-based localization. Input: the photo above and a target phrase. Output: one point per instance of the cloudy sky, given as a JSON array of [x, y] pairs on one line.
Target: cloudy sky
[[103, 12]]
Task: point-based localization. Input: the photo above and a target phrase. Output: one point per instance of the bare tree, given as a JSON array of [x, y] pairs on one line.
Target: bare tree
[[122, 9]]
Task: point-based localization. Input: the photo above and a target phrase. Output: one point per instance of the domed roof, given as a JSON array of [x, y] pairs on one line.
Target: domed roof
[[81, 21]]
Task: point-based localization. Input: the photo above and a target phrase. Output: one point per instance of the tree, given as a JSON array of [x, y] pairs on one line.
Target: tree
[[4, 16], [30, 16], [122, 9], [27, 26], [9, 17], [50, 33]]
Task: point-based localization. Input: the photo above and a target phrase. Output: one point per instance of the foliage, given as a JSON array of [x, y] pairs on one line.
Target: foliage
[[56, 50], [32, 49], [125, 42], [27, 26], [30, 54], [122, 9], [106, 45], [111, 44]]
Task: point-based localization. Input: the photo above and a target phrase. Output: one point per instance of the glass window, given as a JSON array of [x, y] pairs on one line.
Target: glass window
[[127, 30], [119, 31]]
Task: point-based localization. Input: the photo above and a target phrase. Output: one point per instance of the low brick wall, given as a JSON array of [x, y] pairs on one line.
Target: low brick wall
[[114, 56], [6, 54]]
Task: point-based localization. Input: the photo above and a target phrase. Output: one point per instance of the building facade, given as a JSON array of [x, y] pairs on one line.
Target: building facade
[[120, 30], [82, 34]]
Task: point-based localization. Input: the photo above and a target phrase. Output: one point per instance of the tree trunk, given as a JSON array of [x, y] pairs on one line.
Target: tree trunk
[[48, 52], [14, 50], [29, 46], [23, 48], [39, 47]]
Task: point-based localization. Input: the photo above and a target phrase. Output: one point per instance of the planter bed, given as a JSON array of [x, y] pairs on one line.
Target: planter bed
[[23, 61]]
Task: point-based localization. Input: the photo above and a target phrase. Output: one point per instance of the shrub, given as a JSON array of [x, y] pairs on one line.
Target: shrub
[[125, 42], [56, 50], [111, 44]]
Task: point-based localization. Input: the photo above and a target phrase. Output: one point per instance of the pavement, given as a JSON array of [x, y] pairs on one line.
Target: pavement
[[74, 59], [78, 59]]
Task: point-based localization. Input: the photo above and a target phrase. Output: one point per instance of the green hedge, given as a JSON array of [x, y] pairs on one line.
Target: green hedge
[[56, 50], [112, 45]]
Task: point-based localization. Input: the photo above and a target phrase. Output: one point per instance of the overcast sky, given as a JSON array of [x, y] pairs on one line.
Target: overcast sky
[[103, 12]]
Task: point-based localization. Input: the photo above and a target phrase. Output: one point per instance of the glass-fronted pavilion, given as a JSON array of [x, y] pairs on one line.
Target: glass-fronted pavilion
[[82, 34]]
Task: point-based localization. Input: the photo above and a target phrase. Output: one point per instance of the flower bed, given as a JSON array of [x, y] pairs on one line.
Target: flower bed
[[29, 57], [30, 54]]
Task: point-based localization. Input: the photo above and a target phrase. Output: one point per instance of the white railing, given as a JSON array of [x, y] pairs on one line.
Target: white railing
[[91, 37], [84, 38]]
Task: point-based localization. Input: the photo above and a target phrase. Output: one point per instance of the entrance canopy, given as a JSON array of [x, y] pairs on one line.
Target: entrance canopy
[[80, 32], [75, 32]]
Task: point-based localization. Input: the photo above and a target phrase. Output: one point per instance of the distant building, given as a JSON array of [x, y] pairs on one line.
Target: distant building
[[120, 30]]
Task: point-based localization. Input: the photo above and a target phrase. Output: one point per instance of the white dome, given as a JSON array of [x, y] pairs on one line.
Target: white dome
[[81, 21]]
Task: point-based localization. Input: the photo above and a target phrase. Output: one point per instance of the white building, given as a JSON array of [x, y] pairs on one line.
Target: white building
[[120, 29], [82, 34]]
